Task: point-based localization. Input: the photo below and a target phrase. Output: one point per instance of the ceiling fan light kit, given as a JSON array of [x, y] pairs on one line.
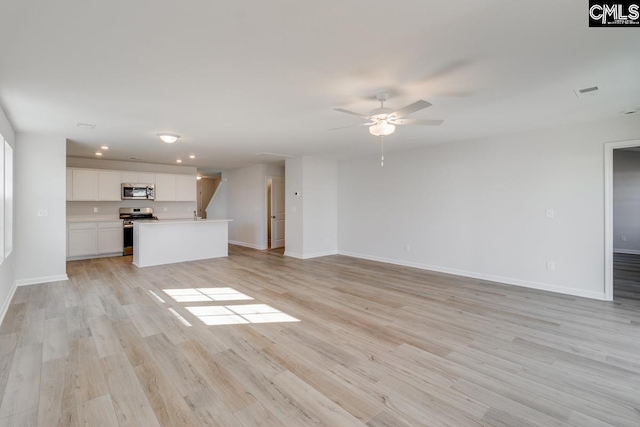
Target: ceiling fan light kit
[[383, 121], [382, 128]]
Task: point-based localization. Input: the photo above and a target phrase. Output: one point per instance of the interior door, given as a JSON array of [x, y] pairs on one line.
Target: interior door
[[277, 212]]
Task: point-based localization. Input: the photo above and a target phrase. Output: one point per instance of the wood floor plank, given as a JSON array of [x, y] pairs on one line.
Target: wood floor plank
[[129, 400], [375, 344]]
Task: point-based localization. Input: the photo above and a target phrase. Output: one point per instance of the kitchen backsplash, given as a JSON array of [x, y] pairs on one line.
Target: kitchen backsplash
[[166, 210]]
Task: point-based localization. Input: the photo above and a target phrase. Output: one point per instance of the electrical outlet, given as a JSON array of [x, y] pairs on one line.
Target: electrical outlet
[[551, 266], [407, 248], [165, 208], [550, 213], [95, 210], [623, 238], [43, 212]]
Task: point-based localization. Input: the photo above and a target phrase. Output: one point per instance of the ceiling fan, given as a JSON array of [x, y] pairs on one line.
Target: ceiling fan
[[383, 121]]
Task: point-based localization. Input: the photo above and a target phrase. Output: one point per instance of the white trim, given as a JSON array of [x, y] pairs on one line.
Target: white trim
[[7, 303], [627, 251], [82, 257], [608, 212], [309, 256], [293, 254], [248, 245], [504, 280], [38, 280]]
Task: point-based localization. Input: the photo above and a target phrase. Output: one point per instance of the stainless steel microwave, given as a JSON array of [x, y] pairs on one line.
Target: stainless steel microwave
[[138, 191]]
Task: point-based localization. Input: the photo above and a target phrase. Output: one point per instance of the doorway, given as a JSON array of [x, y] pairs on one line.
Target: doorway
[[275, 212], [621, 234]]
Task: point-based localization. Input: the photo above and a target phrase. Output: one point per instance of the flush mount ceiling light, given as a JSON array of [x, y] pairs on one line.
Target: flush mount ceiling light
[[192, 156], [179, 161], [104, 147], [169, 138], [198, 177], [98, 154]]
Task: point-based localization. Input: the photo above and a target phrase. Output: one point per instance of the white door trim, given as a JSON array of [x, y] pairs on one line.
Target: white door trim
[[608, 212]]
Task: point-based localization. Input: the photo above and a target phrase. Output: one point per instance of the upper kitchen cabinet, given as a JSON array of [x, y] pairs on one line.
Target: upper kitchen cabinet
[[84, 184], [165, 187], [138, 177], [93, 185], [175, 188], [186, 188], [109, 185]]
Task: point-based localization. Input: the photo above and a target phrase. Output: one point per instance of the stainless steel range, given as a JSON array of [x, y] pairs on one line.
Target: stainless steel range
[[129, 215]]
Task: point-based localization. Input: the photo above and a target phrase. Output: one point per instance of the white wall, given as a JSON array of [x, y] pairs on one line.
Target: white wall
[[311, 221], [478, 208], [7, 267], [626, 201], [293, 220], [40, 241], [217, 208], [246, 203], [81, 162]]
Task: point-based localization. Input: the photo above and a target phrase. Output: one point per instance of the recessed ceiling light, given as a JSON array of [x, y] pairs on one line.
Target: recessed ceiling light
[[169, 138], [85, 125], [98, 154], [104, 147], [179, 160], [192, 156]]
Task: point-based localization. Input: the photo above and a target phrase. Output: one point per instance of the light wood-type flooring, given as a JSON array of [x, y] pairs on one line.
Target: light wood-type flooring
[[374, 344]]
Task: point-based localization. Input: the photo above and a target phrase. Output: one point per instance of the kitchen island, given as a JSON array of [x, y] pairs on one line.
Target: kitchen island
[[171, 241]]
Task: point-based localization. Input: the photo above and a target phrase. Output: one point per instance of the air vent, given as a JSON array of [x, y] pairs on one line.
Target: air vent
[[134, 158], [587, 91], [274, 155], [85, 125]]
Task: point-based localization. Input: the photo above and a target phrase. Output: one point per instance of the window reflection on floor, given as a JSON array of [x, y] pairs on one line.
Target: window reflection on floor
[[223, 314], [239, 314], [206, 294]]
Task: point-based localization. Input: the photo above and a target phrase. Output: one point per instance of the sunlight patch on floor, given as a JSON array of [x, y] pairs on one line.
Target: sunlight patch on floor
[[240, 314], [206, 294]]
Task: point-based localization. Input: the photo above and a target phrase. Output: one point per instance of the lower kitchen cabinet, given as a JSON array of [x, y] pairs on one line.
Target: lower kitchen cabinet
[[89, 239], [82, 239]]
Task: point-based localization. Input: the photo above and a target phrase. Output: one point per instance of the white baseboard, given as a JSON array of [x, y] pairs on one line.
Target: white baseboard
[[7, 303], [246, 245], [38, 280], [293, 254], [626, 251], [505, 280], [309, 256], [80, 258]]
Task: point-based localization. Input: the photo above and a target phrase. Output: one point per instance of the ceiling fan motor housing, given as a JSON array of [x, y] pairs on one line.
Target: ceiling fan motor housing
[[380, 113]]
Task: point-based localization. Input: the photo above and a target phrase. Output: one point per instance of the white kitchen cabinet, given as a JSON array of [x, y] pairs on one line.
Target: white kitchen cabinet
[[109, 185], [165, 187], [82, 239], [146, 178], [138, 177], [186, 188], [85, 184], [69, 184], [130, 177], [110, 237]]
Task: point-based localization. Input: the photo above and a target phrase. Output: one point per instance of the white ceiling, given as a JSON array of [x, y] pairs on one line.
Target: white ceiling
[[238, 78]]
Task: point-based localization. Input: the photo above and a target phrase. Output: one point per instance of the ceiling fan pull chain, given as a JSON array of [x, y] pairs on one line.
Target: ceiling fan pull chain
[[382, 151]]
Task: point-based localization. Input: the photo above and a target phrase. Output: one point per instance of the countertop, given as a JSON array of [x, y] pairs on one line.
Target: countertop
[[93, 218], [179, 221]]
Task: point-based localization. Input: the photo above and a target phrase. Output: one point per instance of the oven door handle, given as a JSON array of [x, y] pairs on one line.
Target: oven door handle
[[128, 226]]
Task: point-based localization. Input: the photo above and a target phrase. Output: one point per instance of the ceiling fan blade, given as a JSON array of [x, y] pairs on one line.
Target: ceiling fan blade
[[353, 126], [411, 108], [422, 122], [342, 110]]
